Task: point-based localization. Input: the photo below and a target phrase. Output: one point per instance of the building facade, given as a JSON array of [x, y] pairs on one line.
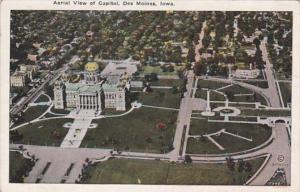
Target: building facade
[[246, 73], [92, 93], [18, 79]]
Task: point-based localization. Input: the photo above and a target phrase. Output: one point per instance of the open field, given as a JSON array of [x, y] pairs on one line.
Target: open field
[[125, 171], [47, 132], [136, 131]]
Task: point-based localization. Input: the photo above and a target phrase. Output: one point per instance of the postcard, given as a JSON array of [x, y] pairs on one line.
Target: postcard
[[135, 95]]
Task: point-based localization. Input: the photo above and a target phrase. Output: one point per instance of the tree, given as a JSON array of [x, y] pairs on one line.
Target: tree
[[256, 41], [230, 163], [199, 68], [191, 55], [206, 40], [241, 164], [188, 159], [15, 136]]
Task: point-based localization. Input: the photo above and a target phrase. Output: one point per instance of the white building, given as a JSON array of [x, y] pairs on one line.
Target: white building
[[30, 70], [93, 92], [246, 73], [18, 79]]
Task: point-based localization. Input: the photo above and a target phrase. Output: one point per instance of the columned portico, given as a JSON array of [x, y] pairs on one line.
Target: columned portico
[[89, 101]]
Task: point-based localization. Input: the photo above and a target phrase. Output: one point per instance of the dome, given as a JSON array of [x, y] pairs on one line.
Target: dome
[[91, 66]]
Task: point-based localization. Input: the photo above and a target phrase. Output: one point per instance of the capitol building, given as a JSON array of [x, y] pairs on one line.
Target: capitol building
[[94, 92]]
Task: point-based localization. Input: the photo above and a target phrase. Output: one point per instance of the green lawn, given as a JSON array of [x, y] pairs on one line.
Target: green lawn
[[18, 167], [242, 105], [237, 89], [286, 92], [265, 112], [258, 133], [32, 113], [42, 98], [60, 111], [167, 82], [261, 84], [125, 171], [243, 118], [201, 146], [202, 127], [210, 84], [161, 98], [136, 131], [214, 96], [156, 69], [43, 132], [233, 144]]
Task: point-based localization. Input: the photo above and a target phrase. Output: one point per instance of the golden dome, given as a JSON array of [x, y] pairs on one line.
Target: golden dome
[[91, 66]]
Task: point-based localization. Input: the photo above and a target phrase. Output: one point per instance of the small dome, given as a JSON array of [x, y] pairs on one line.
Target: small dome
[[91, 66]]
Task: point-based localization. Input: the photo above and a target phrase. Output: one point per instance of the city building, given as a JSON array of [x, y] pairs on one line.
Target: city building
[[18, 79], [246, 73], [29, 70], [93, 92]]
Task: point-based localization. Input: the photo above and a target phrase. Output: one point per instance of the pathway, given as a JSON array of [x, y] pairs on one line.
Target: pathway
[[199, 45], [76, 133], [184, 115]]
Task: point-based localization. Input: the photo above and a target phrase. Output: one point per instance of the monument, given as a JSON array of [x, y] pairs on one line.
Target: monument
[[208, 111]]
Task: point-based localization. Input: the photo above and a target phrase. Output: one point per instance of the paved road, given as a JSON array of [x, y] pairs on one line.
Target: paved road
[[272, 91], [185, 112], [17, 108], [61, 159], [199, 45], [277, 148], [76, 133], [49, 80]]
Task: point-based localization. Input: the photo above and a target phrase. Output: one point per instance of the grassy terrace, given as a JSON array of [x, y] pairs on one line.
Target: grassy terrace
[[42, 98], [233, 144], [261, 84], [167, 82], [136, 131], [258, 133], [125, 171], [243, 118], [160, 97], [210, 84], [60, 111], [214, 96], [158, 70], [47, 132], [265, 113], [236, 89], [286, 92], [239, 105], [32, 113]]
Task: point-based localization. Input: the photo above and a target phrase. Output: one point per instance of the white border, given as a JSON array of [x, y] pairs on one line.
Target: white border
[[189, 5]]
